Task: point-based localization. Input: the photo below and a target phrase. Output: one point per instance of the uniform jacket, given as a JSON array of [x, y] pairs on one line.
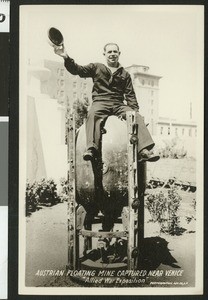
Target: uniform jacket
[[106, 86]]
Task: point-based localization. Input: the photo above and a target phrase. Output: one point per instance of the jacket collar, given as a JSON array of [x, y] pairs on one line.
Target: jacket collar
[[119, 67]]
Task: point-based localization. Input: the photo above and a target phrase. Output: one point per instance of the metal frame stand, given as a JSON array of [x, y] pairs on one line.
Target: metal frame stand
[[132, 215], [136, 188], [73, 246]]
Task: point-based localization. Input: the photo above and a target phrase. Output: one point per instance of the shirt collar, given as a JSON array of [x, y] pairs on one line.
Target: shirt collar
[[116, 69]]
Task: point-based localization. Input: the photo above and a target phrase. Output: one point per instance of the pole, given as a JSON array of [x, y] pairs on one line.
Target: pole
[[72, 240], [133, 197]]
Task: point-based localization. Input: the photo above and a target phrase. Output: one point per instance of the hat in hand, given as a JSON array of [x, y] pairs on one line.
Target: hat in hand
[[55, 37]]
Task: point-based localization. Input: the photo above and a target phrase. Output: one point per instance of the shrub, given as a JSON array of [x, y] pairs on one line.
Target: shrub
[[80, 109], [63, 194], [193, 204], [47, 191], [173, 149], [43, 192], [163, 207], [31, 197]]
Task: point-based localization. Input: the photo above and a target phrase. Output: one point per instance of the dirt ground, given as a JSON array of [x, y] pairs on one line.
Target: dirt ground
[[47, 246]]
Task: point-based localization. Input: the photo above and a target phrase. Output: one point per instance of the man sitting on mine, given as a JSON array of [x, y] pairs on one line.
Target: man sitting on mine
[[112, 85]]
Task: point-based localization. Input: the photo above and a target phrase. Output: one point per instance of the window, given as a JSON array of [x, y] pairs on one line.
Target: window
[[152, 102], [74, 84], [67, 101], [152, 83], [143, 81], [161, 130], [61, 94], [75, 95], [168, 130], [152, 93], [61, 82], [183, 130], [195, 132], [61, 72], [190, 132], [176, 131]]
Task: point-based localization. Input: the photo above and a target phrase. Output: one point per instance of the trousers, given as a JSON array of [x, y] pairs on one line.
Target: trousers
[[100, 111]]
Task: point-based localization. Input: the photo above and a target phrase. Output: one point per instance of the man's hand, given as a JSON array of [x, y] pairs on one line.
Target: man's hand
[[60, 50]]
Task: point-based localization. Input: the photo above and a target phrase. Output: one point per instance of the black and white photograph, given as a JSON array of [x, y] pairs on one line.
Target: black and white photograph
[[111, 116]]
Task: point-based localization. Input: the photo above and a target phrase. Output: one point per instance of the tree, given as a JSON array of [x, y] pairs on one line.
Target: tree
[[80, 110]]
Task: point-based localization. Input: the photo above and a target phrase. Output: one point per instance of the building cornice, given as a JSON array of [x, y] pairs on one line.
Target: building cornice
[[145, 73]]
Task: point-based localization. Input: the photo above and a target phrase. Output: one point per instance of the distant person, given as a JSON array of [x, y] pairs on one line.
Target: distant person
[[112, 85]]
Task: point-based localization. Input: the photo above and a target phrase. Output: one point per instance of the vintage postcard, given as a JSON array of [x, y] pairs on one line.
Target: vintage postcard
[[111, 149]]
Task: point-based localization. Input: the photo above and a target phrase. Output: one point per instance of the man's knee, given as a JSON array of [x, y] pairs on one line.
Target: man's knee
[[95, 114], [123, 114], [125, 110]]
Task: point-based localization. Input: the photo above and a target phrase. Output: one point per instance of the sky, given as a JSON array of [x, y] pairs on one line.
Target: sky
[[167, 38]]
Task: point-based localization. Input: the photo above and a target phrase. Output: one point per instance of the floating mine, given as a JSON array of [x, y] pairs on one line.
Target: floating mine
[[106, 198]]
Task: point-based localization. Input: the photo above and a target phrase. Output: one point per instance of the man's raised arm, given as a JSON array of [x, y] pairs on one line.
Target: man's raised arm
[[72, 67]]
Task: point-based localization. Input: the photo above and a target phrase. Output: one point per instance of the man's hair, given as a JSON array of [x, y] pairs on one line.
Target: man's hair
[[111, 44]]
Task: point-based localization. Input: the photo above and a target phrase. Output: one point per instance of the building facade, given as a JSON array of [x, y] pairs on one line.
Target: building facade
[[176, 128], [146, 87], [65, 87], [68, 88]]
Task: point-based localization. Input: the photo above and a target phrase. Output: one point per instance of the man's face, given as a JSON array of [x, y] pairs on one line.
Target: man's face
[[112, 55]]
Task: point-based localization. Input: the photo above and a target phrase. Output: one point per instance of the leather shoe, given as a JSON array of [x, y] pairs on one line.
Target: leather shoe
[[146, 155], [90, 154]]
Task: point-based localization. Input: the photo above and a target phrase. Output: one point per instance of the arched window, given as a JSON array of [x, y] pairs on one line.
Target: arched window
[[61, 82]]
